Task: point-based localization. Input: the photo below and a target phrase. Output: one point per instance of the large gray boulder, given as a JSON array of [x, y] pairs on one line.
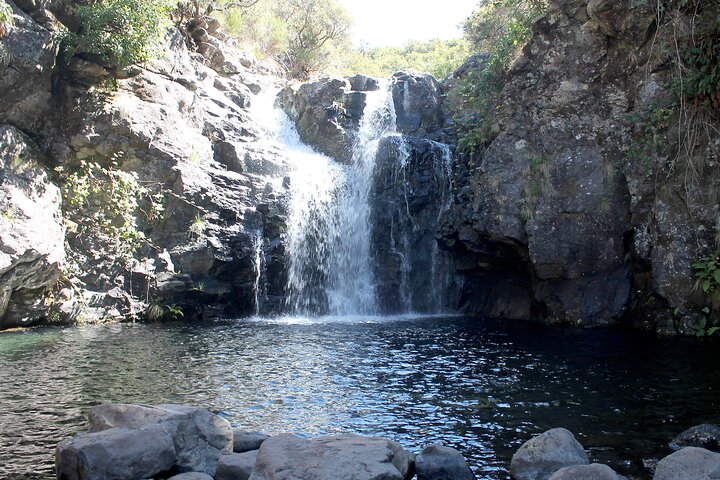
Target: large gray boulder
[[704, 436], [32, 234], [191, 476], [594, 471], [244, 441], [690, 463], [545, 454], [116, 454], [438, 462], [350, 457], [237, 466], [200, 438]]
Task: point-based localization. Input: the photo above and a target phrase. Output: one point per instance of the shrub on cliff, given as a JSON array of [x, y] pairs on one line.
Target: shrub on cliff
[[118, 33], [500, 28]]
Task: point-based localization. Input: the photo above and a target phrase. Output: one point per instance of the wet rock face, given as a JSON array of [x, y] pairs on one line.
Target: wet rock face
[[32, 234], [417, 100], [553, 209]]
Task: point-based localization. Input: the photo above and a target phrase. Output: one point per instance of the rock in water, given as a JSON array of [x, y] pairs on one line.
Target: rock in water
[[704, 436], [237, 466], [245, 441], [593, 471], [32, 236], [541, 456], [437, 462], [690, 463], [116, 454], [350, 457], [200, 437]]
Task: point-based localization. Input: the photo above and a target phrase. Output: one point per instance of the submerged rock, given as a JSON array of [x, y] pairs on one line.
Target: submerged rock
[[438, 462], [541, 456], [349, 457], [703, 436], [690, 463], [116, 454], [200, 438]]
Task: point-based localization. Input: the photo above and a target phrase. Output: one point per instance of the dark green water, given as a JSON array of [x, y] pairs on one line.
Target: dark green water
[[483, 387]]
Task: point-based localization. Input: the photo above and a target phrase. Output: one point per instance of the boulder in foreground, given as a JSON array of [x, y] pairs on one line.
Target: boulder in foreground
[[438, 462], [200, 438], [116, 454], [350, 457], [545, 454], [690, 463]]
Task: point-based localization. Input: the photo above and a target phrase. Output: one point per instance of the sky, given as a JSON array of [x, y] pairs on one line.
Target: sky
[[392, 23]]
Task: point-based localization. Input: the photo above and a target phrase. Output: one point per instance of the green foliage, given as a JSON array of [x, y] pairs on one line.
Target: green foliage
[[697, 45], [118, 33], [707, 271], [160, 312], [650, 140], [6, 18], [437, 57], [105, 202], [500, 28]]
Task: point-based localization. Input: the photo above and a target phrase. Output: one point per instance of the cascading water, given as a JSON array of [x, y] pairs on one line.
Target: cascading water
[[328, 238], [333, 262]]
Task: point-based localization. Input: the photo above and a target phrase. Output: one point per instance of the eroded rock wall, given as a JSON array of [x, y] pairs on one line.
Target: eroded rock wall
[[558, 219]]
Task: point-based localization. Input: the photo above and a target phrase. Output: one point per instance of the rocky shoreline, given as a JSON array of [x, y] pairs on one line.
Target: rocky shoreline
[[179, 442]]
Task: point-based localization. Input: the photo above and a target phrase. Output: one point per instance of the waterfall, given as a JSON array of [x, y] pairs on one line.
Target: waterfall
[[328, 237], [345, 222]]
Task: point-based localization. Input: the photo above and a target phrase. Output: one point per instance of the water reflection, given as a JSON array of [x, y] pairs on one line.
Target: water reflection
[[482, 387]]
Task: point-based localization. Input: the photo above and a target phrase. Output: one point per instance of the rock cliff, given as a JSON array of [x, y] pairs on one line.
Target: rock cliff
[[560, 218]]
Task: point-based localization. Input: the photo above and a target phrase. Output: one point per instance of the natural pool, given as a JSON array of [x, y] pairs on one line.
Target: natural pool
[[479, 385]]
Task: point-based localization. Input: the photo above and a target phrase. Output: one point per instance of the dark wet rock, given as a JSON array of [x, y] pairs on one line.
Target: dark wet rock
[[417, 99], [704, 436], [32, 234], [200, 437], [411, 190], [236, 466], [245, 441], [438, 462], [117, 453], [690, 463], [328, 458], [363, 83], [594, 471], [541, 456]]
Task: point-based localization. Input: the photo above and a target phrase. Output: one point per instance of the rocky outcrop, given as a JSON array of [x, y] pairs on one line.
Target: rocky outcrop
[[326, 113], [558, 218], [417, 98], [32, 235]]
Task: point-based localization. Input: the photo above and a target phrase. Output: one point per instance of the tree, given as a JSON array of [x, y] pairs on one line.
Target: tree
[[313, 26], [118, 33]]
